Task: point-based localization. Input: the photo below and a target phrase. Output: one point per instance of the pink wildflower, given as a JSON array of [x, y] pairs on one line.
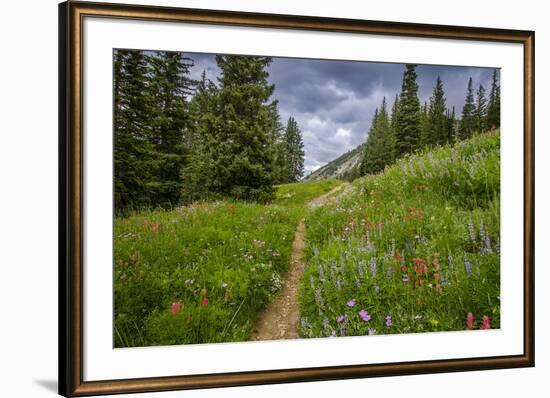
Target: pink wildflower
[[175, 308], [485, 323], [470, 321]]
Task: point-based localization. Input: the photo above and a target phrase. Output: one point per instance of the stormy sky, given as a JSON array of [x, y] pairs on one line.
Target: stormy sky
[[334, 101]]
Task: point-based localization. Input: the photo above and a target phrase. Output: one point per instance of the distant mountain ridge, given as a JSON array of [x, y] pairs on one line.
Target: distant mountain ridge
[[345, 166]]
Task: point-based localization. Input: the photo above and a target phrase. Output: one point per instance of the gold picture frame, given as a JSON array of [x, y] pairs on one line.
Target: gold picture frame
[[71, 239]]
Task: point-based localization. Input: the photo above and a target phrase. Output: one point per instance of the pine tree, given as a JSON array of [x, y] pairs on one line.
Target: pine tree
[[437, 119], [493, 109], [133, 151], [425, 132], [377, 152], [170, 85], [480, 110], [467, 123], [393, 125], [202, 138], [407, 129], [295, 151], [243, 165], [451, 125]]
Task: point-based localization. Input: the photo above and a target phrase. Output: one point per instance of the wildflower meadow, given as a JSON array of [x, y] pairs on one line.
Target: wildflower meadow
[[413, 249], [201, 273]]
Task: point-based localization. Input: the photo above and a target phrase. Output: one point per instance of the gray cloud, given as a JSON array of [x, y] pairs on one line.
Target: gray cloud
[[334, 101]]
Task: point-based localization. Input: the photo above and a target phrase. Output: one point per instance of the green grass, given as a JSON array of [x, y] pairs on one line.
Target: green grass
[[439, 209], [298, 194], [233, 254]]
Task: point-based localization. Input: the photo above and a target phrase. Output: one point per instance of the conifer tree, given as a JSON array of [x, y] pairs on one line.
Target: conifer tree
[[243, 165], [133, 151], [377, 151], [202, 137], [425, 131], [295, 151], [467, 123], [170, 86], [480, 110], [437, 119], [451, 125], [407, 129], [493, 109]]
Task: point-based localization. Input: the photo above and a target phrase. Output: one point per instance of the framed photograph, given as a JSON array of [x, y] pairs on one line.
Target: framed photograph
[[253, 199]]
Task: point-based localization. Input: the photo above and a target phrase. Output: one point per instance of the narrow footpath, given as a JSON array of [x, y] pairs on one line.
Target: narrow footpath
[[280, 319]]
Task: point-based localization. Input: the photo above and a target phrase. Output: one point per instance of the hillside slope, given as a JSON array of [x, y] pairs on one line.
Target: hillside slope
[[342, 167]]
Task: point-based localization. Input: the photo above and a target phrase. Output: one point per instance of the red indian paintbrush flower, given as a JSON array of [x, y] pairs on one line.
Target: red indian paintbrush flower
[[175, 308], [470, 321], [485, 323], [204, 301]]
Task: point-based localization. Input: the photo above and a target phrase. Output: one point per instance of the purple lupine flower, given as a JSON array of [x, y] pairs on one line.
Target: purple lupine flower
[[333, 269], [351, 303], [377, 289], [357, 283], [487, 243], [372, 332], [315, 251], [373, 262], [338, 283], [389, 321], [471, 231], [468, 266], [319, 299], [321, 272], [365, 316], [341, 319], [481, 231], [342, 330]]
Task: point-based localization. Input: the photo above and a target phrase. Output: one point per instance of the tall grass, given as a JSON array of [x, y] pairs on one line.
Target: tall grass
[[413, 249], [202, 273]]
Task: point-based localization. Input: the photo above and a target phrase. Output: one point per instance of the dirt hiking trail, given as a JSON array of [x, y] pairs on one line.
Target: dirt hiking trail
[[281, 317]]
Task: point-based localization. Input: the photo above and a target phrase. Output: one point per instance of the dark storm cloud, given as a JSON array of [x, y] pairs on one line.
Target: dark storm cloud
[[334, 101]]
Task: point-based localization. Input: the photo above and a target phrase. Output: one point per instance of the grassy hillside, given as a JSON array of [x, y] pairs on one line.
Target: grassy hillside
[[413, 249], [202, 273]]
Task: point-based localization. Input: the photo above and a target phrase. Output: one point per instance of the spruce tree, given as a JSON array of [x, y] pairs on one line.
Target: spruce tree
[[170, 85], [377, 151], [493, 109], [437, 118], [451, 125], [133, 151], [201, 140], [407, 129], [425, 131], [467, 122], [480, 110], [295, 151], [243, 165]]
